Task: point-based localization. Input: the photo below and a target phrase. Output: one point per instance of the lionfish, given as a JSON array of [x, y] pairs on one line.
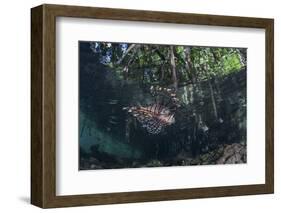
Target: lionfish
[[156, 116]]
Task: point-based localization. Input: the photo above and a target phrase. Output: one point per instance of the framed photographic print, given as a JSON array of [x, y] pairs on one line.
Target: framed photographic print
[[136, 106]]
